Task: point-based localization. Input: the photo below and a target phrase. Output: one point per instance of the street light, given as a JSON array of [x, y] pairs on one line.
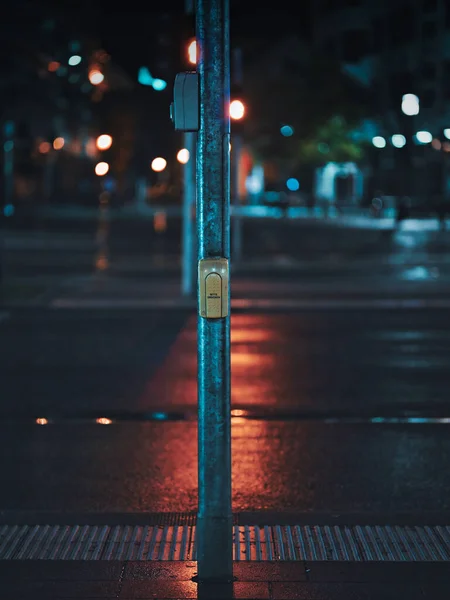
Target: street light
[[96, 76], [237, 110], [424, 137], [74, 60], [410, 104], [104, 141], [378, 141], [58, 143], [101, 168], [159, 164], [183, 156], [398, 140]]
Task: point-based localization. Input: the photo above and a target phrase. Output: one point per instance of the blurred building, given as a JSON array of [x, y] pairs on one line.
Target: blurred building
[[55, 79], [393, 48]]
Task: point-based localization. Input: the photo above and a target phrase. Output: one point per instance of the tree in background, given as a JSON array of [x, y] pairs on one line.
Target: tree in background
[[289, 85]]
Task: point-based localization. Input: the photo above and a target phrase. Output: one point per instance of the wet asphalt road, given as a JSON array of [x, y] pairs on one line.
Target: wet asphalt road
[[132, 248], [333, 410], [330, 411]]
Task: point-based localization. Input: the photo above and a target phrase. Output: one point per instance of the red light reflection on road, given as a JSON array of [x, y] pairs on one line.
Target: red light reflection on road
[[258, 365]]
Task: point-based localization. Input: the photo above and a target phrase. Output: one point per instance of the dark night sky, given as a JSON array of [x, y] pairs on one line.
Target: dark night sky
[[128, 31], [129, 34]]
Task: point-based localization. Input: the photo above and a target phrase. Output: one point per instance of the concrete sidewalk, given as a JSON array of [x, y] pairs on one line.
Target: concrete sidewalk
[[45, 580], [258, 293], [327, 558]]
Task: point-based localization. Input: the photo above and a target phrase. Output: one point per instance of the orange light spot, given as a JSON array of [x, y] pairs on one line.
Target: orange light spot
[[53, 66]]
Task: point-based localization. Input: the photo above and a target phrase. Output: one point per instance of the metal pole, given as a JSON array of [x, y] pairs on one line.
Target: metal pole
[[235, 162], [214, 521], [187, 262]]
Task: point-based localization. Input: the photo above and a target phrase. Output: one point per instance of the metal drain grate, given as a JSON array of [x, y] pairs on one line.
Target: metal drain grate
[[251, 542]]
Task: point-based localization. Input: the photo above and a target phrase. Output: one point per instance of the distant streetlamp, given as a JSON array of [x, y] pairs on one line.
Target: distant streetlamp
[[378, 141], [74, 60], [101, 168], [58, 143], [104, 141], [158, 164], [424, 137], [398, 140], [96, 76], [410, 104], [237, 110], [183, 156]]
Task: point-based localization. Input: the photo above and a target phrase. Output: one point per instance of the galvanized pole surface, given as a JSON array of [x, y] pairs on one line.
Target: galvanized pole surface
[[214, 522]]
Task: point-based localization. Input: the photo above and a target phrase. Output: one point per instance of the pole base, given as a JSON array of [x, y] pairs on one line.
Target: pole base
[[197, 579], [214, 549]]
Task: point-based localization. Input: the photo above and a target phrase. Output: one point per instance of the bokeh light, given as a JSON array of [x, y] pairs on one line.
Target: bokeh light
[[104, 141], [286, 131], [192, 52], [292, 184], [378, 141], [44, 147], [53, 66], [237, 110], [159, 164], [398, 140], [58, 143], [424, 137], [74, 60], [410, 104], [101, 168], [436, 144], [96, 76], [183, 156]]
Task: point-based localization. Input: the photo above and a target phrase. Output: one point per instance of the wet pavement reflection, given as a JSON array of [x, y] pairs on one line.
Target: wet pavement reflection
[[359, 361], [101, 262], [277, 466], [316, 400]]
